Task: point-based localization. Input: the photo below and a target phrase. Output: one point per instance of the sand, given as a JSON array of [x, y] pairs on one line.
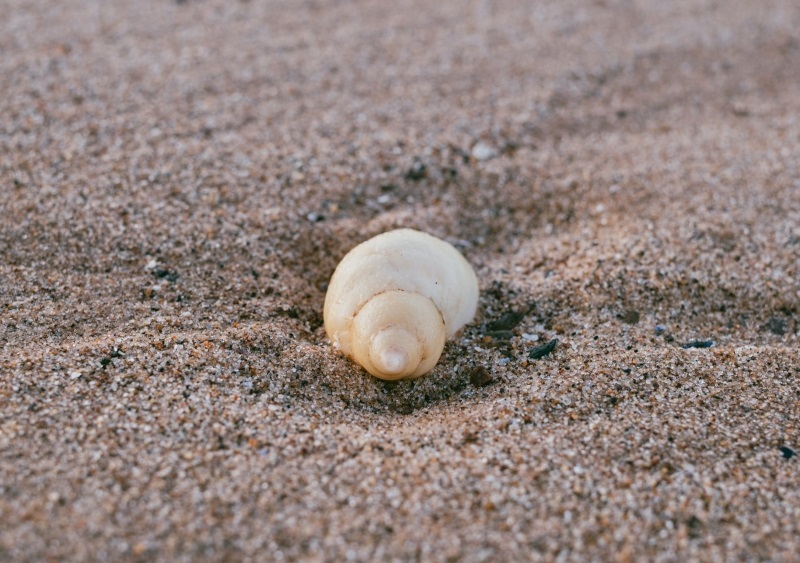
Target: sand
[[179, 179]]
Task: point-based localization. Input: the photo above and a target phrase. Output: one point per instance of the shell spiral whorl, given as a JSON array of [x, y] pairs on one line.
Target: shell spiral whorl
[[398, 334], [395, 299]]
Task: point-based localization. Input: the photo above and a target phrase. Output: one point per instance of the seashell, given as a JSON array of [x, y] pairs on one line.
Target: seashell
[[395, 299]]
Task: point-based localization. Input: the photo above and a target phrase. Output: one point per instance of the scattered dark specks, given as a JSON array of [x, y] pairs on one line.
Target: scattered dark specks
[[480, 377], [507, 321], [630, 317], [788, 453], [544, 350], [417, 172], [699, 344], [115, 353], [777, 326], [168, 275], [660, 329], [291, 312]]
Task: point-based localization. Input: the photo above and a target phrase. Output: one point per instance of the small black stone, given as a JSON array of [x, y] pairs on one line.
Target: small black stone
[[417, 172], [630, 317], [699, 344], [544, 350], [470, 437], [480, 376], [166, 275], [788, 453], [777, 326], [500, 334], [507, 321], [694, 526]]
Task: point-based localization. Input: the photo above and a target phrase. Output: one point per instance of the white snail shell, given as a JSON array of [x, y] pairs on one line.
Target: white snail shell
[[395, 299]]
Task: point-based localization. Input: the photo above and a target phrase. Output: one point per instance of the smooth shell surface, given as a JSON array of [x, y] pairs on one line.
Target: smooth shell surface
[[394, 300]]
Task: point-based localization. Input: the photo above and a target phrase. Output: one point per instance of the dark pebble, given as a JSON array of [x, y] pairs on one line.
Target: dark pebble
[[777, 326], [660, 329], [544, 350], [507, 321], [699, 344], [694, 526], [630, 317], [480, 376], [470, 437], [788, 453], [166, 275], [291, 312], [417, 172], [500, 334]]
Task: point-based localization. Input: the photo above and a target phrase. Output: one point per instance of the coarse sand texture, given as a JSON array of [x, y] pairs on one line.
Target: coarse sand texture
[[179, 180]]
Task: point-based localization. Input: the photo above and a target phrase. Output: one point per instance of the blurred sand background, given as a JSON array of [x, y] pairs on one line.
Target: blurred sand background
[[179, 179]]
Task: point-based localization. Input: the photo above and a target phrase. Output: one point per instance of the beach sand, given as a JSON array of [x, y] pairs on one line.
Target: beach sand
[[178, 181]]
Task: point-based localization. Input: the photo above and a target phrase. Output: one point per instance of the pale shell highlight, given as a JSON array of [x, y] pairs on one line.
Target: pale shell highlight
[[395, 299]]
